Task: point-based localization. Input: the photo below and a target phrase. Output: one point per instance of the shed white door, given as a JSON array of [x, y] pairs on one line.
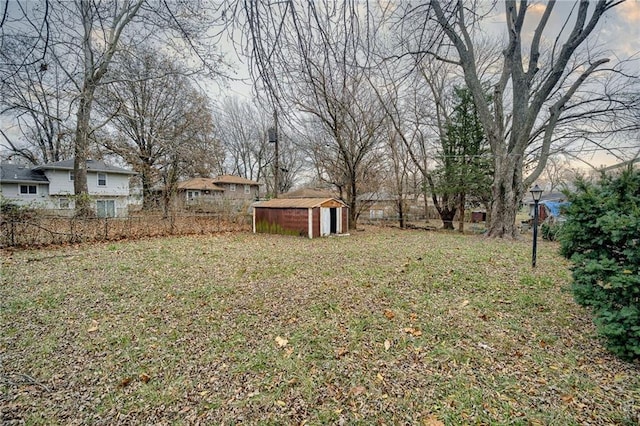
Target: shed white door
[[325, 221]]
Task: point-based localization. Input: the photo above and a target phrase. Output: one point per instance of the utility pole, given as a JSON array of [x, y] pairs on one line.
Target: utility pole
[[273, 138]]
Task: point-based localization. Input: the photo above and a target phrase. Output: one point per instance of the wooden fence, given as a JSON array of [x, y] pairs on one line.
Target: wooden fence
[[39, 230]]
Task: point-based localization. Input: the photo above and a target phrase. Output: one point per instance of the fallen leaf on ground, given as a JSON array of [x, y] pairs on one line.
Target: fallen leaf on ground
[[432, 421], [340, 352], [415, 332], [358, 390], [94, 327], [124, 382], [389, 314], [281, 342]]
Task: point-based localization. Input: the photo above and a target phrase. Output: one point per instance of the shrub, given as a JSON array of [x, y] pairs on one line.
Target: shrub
[[550, 231], [14, 211], [602, 238]]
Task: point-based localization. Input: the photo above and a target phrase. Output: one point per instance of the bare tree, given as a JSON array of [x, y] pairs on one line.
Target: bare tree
[[352, 121], [85, 36], [242, 129], [535, 92], [400, 162], [102, 27], [35, 100], [25, 22], [159, 121], [291, 162], [313, 57], [558, 173]]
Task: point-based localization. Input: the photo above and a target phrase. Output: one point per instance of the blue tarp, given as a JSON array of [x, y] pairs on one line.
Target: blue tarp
[[555, 208]]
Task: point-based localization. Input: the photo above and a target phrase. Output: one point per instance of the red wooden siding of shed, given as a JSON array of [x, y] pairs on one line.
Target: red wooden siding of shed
[[345, 221], [290, 220], [315, 222], [291, 216]]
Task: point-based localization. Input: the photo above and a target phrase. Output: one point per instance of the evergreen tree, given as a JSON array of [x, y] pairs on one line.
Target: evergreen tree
[[464, 174]]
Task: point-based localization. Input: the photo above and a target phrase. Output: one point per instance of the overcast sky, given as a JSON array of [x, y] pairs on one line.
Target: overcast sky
[[618, 31]]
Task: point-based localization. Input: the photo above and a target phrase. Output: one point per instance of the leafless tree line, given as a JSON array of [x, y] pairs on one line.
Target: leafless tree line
[[550, 87], [364, 92]]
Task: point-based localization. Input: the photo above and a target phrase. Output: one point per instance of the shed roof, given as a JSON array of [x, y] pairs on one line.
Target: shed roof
[[299, 203], [234, 179], [21, 174], [200, 184]]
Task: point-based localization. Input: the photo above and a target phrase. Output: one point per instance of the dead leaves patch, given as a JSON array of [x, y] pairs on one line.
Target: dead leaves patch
[[282, 330]]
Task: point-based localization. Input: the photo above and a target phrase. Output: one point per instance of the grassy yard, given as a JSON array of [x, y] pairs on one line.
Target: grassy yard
[[384, 326]]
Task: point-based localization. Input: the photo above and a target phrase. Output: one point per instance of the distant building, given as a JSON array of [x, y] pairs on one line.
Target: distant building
[[238, 188], [198, 190], [50, 187], [381, 205], [217, 193]]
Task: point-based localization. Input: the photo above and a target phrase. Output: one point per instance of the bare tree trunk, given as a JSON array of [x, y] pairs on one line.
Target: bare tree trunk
[[147, 203], [461, 210], [506, 196], [558, 82], [94, 71], [353, 212], [447, 216], [425, 194], [81, 152]]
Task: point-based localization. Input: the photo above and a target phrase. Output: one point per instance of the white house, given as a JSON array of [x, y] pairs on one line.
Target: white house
[[50, 187]]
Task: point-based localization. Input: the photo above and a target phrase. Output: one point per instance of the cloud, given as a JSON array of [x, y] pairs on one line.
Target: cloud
[[629, 11], [536, 8]]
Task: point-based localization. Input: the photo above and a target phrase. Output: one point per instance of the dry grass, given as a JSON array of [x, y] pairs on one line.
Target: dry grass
[[386, 326]]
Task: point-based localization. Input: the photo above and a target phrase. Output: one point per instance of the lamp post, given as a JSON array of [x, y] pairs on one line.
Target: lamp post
[[536, 193]]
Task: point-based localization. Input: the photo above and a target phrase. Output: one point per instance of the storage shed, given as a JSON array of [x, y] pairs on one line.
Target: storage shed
[[311, 217]]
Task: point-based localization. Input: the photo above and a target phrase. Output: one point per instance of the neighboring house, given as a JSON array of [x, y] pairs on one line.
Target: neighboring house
[[237, 188], [552, 198], [50, 187], [381, 205], [199, 191], [23, 186]]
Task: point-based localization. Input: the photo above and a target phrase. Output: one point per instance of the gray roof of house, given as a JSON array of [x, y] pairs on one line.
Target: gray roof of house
[[92, 166], [21, 174], [377, 196]]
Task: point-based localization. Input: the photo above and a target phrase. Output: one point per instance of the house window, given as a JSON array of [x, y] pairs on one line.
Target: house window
[[376, 214], [106, 208], [192, 194], [247, 189], [28, 189], [64, 203], [232, 187], [71, 175], [102, 179]]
